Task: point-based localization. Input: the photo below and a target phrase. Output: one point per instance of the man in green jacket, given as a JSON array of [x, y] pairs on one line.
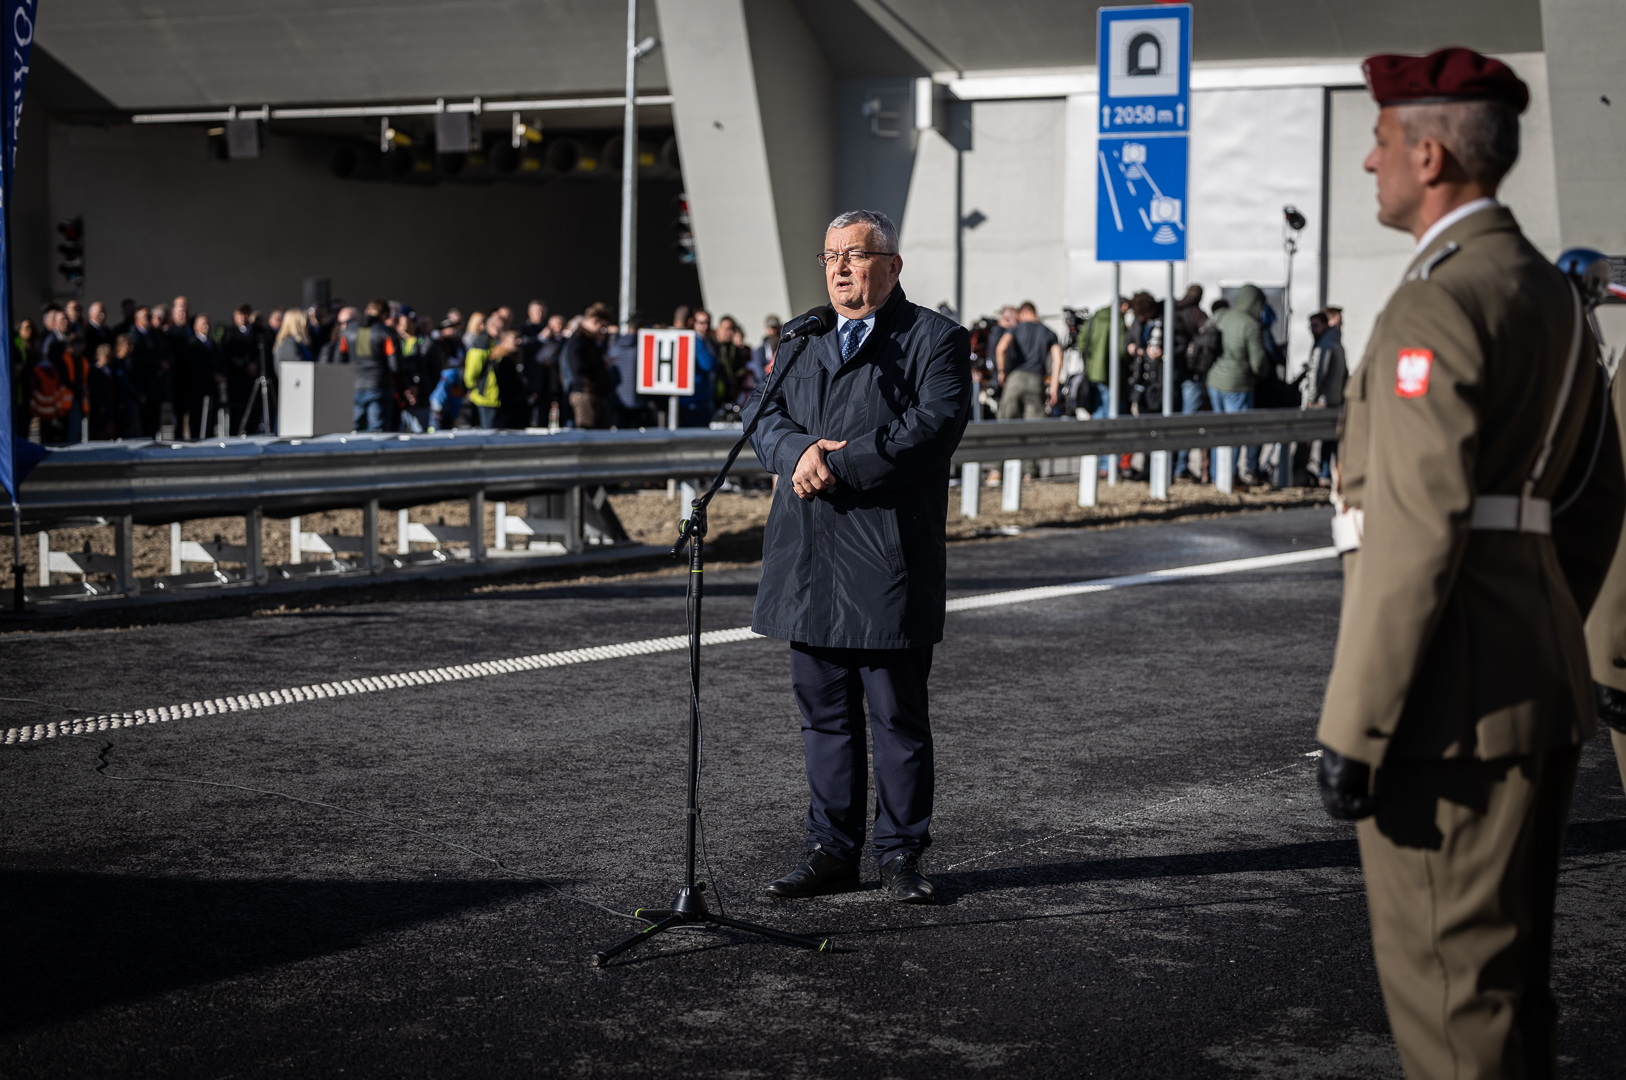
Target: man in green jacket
[[1241, 361], [1094, 344]]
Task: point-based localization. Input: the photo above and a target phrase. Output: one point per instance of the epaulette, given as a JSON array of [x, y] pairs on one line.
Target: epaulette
[[1434, 260]]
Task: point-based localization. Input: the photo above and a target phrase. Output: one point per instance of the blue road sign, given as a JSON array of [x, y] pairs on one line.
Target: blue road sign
[[1143, 55], [1140, 212]]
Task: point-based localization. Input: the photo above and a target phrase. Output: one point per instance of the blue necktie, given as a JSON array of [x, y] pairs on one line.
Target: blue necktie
[[854, 338]]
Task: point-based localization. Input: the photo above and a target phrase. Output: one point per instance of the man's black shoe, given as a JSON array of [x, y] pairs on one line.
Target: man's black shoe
[[903, 881], [820, 872]]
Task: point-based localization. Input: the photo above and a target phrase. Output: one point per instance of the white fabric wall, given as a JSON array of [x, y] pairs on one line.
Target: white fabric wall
[[1252, 152]]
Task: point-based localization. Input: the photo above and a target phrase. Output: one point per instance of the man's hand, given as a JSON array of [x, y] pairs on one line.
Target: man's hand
[[1346, 786], [812, 475]]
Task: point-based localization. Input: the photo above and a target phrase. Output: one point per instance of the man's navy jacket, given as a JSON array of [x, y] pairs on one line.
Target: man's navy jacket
[[863, 566]]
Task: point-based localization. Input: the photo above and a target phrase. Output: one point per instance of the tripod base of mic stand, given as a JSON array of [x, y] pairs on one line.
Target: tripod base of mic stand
[[689, 909]]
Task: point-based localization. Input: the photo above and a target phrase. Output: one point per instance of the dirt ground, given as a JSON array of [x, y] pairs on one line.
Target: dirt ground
[[737, 520]]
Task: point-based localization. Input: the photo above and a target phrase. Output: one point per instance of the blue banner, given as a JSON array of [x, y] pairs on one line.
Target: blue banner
[[19, 29]]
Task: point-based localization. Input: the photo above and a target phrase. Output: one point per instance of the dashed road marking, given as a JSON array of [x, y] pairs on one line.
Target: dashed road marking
[[370, 684]]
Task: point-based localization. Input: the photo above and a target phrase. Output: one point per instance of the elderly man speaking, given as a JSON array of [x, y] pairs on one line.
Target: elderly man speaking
[[853, 563]]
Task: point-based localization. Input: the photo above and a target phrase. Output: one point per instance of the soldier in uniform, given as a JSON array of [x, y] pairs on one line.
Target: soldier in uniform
[[1459, 694], [1606, 632]]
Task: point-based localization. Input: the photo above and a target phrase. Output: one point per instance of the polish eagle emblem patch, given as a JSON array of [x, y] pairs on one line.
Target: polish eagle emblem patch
[[1411, 373]]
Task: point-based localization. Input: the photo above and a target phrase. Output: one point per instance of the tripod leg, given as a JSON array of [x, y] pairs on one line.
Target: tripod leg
[[602, 958], [816, 944]]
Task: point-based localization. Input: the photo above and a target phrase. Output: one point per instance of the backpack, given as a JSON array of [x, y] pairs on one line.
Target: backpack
[[1205, 348], [52, 398]]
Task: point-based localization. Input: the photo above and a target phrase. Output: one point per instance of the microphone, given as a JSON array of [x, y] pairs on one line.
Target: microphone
[[815, 323]]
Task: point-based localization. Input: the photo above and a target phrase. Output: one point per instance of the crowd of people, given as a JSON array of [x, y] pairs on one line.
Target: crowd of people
[[1226, 359], [164, 368]]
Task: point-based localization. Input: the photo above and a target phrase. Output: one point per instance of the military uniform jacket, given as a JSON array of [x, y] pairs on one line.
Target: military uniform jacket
[[1456, 642], [1606, 623]]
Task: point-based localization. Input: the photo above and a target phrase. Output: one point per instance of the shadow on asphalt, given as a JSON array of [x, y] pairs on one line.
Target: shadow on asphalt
[[1313, 855], [1585, 838], [78, 942]]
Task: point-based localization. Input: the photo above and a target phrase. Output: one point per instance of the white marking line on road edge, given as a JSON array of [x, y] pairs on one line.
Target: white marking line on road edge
[[1232, 566], [370, 683]]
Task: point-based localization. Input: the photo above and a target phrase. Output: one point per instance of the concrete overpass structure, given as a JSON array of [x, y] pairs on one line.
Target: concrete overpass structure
[[783, 112]]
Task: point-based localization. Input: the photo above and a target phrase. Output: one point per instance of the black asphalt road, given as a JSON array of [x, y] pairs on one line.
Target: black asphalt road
[[1138, 879]]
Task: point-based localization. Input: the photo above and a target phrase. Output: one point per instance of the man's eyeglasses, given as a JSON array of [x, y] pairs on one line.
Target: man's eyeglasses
[[856, 257]]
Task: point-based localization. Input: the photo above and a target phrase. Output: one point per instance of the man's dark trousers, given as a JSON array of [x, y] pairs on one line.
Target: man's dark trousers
[[831, 686]]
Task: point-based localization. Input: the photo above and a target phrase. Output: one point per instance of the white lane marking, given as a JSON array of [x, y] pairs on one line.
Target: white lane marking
[[1231, 566], [482, 669]]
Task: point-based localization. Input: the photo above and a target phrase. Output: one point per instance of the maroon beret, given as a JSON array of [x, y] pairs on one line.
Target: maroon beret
[[1447, 75]]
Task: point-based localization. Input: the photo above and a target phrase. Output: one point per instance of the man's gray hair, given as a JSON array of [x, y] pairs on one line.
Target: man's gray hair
[[1482, 135], [875, 220]]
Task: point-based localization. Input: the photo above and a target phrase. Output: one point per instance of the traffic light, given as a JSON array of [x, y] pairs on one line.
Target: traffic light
[[72, 250], [684, 244]]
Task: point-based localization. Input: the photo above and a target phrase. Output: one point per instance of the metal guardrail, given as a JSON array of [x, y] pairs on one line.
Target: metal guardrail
[[155, 483]]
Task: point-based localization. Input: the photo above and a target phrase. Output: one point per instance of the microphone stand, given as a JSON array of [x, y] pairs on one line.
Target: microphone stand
[[689, 909]]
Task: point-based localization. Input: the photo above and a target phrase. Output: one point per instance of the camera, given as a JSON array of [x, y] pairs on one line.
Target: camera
[[1164, 210]]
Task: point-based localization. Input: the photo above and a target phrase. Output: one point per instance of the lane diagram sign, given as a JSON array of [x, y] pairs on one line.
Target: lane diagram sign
[[666, 362], [1144, 57]]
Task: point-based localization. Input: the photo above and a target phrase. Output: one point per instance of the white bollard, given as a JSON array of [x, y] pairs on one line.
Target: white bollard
[[502, 526], [403, 525], [970, 488], [45, 559], [1087, 467], [175, 547], [1224, 468], [1010, 499], [293, 539], [686, 497], [1160, 474]]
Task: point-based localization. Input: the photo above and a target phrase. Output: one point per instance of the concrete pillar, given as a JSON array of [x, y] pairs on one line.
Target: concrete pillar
[[1583, 40], [754, 130], [1087, 476], [1224, 468], [1159, 474], [1010, 499]]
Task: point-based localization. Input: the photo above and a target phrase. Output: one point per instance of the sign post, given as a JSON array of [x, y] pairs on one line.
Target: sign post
[[666, 363], [1143, 58]]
